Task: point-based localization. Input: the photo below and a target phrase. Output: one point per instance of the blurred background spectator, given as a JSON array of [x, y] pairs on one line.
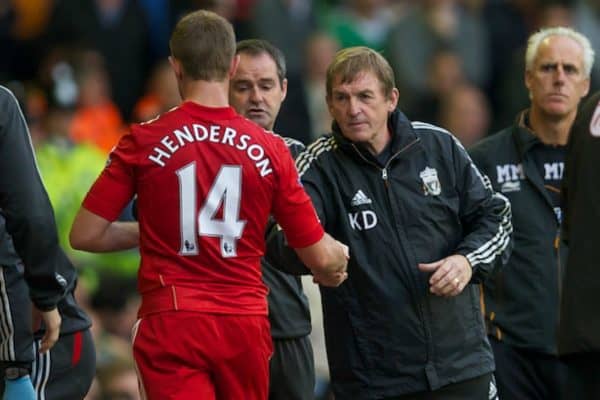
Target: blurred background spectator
[[84, 69]]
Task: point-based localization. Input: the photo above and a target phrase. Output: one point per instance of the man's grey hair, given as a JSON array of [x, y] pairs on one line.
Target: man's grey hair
[[534, 41]]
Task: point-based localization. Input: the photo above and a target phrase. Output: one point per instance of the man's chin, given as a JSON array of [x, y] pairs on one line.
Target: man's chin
[[263, 121]]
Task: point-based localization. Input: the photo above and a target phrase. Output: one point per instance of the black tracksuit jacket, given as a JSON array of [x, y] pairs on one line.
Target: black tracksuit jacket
[[27, 227], [579, 328], [522, 299], [289, 312], [386, 334]]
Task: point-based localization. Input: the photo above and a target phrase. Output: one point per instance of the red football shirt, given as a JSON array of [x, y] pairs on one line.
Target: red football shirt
[[206, 180]]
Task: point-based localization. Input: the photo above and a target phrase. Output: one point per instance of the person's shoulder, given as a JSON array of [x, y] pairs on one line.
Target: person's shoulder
[[430, 134], [295, 146], [492, 143], [171, 115], [590, 105], [320, 149], [7, 99]]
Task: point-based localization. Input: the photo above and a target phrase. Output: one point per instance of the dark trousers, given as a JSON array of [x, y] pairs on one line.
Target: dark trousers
[[292, 370], [16, 337], [66, 371], [583, 376], [527, 375], [478, 388]]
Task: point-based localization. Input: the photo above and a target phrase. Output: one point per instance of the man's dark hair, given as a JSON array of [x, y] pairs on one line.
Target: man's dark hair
[[256, 47]]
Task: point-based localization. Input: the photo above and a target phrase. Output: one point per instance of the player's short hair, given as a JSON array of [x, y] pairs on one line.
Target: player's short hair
[[534, 41], [350, 62], [256, 47], [204, 43]]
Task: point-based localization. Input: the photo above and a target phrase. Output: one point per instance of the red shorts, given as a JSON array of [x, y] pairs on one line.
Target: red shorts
[[190, 355]]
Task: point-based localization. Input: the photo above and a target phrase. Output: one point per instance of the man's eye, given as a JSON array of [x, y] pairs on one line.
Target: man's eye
[[570, 69]]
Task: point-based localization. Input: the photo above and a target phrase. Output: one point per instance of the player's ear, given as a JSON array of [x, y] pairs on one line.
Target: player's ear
[[176, 66]]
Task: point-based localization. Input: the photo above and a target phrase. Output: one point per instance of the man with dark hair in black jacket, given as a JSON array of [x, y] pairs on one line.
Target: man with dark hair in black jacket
[[525, 162], [257, 91], [424, 227], [579, 329], [34, 269]]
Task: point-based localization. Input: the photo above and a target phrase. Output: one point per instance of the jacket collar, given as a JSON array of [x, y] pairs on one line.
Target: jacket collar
[[401, 130], [524, 137]]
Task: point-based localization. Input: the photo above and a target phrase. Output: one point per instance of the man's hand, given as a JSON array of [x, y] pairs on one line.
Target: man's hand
[[52, 322], [449, 276], [334, 278]]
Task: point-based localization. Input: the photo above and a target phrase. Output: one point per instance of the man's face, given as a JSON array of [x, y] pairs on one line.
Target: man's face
[[361, 110], [557, 80], [255, 91]]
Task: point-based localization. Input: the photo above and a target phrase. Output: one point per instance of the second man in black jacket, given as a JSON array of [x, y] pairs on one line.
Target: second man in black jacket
[[423, 225]]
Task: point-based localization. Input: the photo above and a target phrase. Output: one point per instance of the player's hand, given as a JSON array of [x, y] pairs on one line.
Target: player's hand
[[329, 279], [449, 276], [339, 275], [345, 250], [52, 323]]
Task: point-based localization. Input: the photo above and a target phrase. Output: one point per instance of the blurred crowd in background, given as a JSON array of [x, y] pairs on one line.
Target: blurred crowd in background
[[84, 69]]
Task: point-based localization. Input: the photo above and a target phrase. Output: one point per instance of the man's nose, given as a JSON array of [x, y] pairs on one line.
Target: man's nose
[[255, 95], [353, 106], [559, 75]]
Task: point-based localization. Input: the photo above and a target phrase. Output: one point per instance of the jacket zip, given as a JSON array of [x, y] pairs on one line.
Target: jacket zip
[[384, 177], [384, 174]]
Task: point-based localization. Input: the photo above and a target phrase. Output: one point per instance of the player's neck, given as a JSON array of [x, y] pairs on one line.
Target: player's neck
[[207, 93]]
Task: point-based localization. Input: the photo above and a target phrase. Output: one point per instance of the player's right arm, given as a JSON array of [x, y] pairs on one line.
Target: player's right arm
[[91, 232], [327, 260], [95, 227]]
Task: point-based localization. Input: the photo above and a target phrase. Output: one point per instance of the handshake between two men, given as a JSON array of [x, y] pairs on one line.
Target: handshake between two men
[[327, 260]]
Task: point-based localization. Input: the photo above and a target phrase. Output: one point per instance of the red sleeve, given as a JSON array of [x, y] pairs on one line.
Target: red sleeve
[[115, 186], [292, 207]]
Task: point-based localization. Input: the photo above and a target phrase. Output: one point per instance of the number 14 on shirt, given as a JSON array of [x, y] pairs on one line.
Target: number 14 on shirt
[[226, 192]]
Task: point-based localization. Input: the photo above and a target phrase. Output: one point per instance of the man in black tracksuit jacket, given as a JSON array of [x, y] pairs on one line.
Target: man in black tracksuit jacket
[[521, 300], [525, 162], [579, 329], [390, 332], [256, 91], [34, 269]]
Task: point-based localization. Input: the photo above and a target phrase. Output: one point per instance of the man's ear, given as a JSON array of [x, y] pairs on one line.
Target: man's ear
[[176, 66], [234, 64], [394, 96], [284, 85]]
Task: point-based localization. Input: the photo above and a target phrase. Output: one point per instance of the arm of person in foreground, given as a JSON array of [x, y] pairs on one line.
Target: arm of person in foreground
[[29, 216], [93, 233]]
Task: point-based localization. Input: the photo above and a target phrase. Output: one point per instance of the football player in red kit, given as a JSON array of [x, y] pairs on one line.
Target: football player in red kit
[[206, 180]]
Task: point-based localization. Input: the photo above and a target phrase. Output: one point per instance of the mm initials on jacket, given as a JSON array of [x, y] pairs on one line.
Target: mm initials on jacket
[[509, 176], [362, 220]]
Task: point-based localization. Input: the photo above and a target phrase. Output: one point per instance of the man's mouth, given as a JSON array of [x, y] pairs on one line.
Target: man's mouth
[[256, 111]]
